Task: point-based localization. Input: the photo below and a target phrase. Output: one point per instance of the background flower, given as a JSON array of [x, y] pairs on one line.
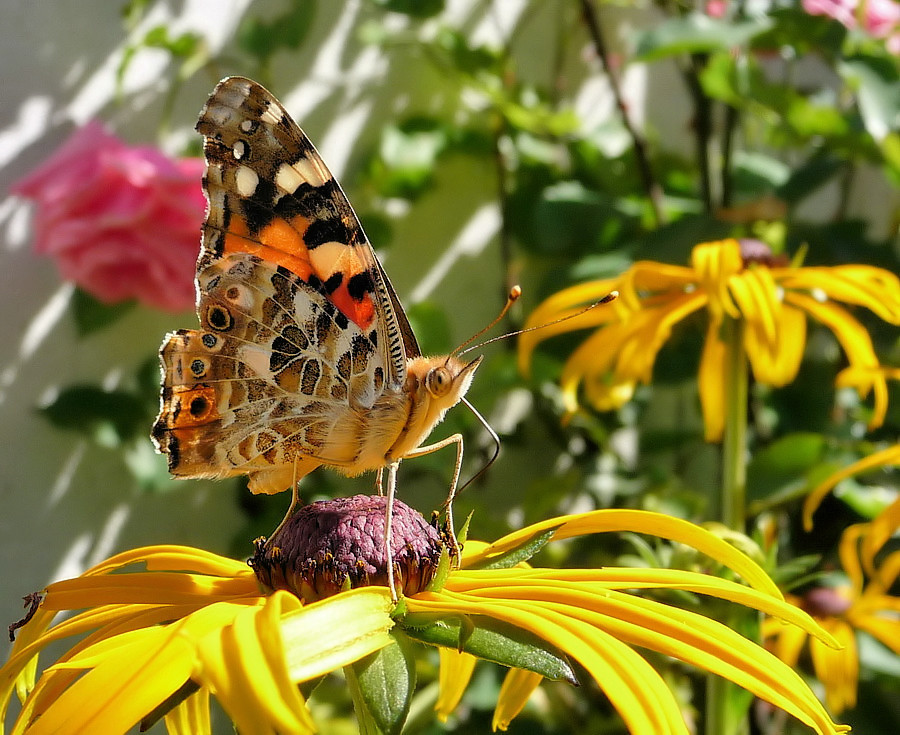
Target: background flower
[[880, 18], [122, 222]]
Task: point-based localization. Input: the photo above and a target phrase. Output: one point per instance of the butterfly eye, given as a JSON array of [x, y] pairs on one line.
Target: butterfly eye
[[438, 381]]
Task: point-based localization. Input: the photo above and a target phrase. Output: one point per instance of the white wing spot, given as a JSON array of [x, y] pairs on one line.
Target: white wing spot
[[246, 125], [287, 179], [239, 149], [246, 180], [309, 171], [271, 115]]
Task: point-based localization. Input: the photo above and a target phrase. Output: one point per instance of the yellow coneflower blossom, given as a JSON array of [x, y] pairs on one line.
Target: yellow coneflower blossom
[[729, 279], [159, 642], [859, 605]]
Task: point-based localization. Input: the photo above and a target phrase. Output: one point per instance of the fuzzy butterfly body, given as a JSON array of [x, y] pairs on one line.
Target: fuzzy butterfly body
[[304, 356]]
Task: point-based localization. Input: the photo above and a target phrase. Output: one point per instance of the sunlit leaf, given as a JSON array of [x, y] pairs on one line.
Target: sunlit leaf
[[107, 416], [877, 84], [92, 315], [696, 33]]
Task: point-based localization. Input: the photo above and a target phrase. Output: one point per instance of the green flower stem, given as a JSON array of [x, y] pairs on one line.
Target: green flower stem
[[726, 704], [734, 445]]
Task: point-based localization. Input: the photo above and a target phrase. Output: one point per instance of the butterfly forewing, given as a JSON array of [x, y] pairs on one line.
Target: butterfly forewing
[[271, 195]]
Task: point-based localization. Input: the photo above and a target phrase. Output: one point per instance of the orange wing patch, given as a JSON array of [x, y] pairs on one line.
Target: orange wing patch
[[278, 242]]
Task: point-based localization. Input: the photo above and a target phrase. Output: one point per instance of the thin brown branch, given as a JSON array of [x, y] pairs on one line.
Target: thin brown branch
[[703, 129], [645, 170]]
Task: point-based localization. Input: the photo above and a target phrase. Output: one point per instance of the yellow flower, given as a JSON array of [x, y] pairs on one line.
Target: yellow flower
[[859, 605], [730, 279], [161, 641]]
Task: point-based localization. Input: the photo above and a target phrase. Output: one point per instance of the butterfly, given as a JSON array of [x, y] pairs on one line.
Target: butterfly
[[304, 356]]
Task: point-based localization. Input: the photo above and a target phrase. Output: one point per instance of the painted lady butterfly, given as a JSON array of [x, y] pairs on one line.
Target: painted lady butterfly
[[304, 356]]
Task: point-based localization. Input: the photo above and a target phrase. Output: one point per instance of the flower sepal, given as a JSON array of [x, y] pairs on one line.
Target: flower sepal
[[170, 703], [491, 640], [382, 685], [517, 554]]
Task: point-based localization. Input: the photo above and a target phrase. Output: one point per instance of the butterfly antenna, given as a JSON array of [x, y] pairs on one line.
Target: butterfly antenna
[[494, 438], [514, 293], [611, 296]]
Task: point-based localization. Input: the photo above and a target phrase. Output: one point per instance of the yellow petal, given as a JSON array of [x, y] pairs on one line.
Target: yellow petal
[[174, 558], [148, 588], [838, 670], [849, 555], [715, 263], [712, 384], [648, 331], [127, 684], [518, 686], [565, 305], [637, 521], [874, 288], [786, 640], [647, 278], [856, 343], [777, 363], [244, 665], [756, 295], [455, 674], [592, 363], [889, 456], [337, 631], [885, 630], [191, 717], [633, 687], [510, 582]]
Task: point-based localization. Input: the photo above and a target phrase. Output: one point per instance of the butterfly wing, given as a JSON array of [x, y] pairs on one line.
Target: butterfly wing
[[299, 325], [271, 195]]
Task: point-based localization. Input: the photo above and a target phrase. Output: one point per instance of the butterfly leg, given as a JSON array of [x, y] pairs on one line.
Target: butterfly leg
[[295, 501], [378, 481], [388, 521], [456, 439]]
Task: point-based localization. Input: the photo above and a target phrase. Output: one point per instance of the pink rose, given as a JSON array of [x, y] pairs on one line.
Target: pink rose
[[842, 11], [881, 18], [122, 222], [716, 8]]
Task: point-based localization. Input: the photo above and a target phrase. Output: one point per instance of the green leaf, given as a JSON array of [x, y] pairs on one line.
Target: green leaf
[[182, 46], [523, 552], [92, 315], [109, 417], [802, 33], [759, 173], [493, 640], [570, 218], [817, 171], [696, 33], [462, 57], [414, 8], [407, 157], [431, 327], [811, 118], [262, 39], [386, 681], [784, 464], [878, 91]]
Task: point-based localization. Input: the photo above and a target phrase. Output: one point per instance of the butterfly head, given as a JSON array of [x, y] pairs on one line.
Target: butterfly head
[[439, 383]]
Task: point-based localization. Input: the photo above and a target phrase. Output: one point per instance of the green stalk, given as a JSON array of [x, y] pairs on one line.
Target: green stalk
[[734, 444], [726, 703]]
